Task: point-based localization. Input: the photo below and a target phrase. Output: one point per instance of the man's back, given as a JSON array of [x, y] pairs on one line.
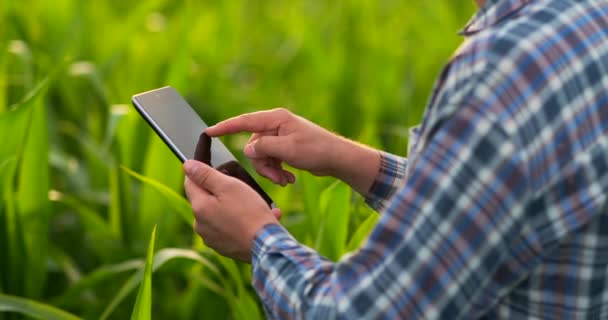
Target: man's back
[[543, 70], [500, 209]]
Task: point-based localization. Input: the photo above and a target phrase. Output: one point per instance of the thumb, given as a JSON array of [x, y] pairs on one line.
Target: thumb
[[204, 176], [268, 146]]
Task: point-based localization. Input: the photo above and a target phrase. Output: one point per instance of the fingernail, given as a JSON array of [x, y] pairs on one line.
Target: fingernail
[[190, 167], [249, 150]]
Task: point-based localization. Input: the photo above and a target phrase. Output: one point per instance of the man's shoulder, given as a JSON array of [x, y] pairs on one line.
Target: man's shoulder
[[541, 45], [537, 30], [541, 54]]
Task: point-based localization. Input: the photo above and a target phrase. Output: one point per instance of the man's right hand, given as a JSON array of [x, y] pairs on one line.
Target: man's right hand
[[280, 136]]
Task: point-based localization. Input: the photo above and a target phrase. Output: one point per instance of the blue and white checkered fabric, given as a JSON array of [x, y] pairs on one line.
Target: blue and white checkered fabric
[[500, 210]]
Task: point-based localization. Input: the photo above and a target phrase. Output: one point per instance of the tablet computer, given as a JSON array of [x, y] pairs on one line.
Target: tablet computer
[[182, 130]]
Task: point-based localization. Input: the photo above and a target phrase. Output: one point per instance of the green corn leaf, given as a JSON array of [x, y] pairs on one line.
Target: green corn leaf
[[12, 244], [143, 303], [179, 203], [16, 124], [11, 236], [31, 199], [161, 257], [362, 232], [176, 76], [32, 308], [94, 279], [335, 205], [161, 165], [129, 145], [310, 193], [115, 213], [65, 263], [104, 241], [32, 196], [231, 266], [3, 74], [242, 305], [245, 307]]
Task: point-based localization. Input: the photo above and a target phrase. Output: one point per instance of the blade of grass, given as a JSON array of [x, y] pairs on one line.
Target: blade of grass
[[177, 75], [13, 243], [32, 197], [96, 278], [179, 203], [161, 165], [241, 303], [362, 232], [310, 193], [103, 240], [128, 146], [129, 28], [3, 235], [117, 194], [161, 257], [333, 232], [143, 302], [247, 307], [3, 73], [23, 213], [9, 303], [13, 123], [233, 270], [65, 263], [115, 209]]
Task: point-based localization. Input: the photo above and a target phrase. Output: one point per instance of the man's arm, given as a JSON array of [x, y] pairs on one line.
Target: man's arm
[[450, 244], [280, 136]]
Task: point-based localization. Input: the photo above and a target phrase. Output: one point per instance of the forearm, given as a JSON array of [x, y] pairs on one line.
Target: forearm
[[374, 174], [355, 164]]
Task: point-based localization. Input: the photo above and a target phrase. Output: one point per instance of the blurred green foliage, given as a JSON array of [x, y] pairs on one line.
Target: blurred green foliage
[[83, 179]]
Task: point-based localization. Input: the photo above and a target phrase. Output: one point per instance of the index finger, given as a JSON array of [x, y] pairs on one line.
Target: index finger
[[261, 121]]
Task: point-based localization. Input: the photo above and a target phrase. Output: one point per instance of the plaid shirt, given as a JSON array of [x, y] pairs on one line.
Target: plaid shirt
[[500, 210]]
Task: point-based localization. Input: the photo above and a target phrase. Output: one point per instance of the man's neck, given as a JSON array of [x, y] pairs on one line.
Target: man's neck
[[480, 3]]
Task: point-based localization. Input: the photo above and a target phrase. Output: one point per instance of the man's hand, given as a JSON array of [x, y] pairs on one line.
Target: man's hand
[[280, 136], [228, 213]]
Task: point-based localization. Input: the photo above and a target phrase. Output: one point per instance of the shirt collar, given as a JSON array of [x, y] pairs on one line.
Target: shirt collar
[[491, 13]]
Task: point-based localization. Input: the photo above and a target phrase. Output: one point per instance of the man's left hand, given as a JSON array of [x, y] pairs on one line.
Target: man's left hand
[[228, 213]]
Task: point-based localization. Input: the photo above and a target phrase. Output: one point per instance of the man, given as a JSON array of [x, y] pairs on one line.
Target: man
[[500, 211]]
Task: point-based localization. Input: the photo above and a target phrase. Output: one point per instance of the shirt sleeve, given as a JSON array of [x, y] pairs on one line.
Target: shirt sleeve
[[390, 177], [451, 242]]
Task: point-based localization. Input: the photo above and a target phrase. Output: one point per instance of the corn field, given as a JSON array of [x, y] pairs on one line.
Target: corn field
[[84, 180]]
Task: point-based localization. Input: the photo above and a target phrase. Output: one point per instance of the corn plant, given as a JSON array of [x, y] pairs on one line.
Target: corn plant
[[84, 180]]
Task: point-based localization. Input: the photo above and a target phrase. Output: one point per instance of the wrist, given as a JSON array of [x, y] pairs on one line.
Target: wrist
[[355, 164], [268, 236]]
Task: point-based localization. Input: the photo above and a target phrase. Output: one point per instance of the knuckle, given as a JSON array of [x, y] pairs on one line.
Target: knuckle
[[282, 112], [199, 209], [204, 176], [289, 149]]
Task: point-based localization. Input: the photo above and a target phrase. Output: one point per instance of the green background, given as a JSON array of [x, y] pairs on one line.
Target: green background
[[83, 179]]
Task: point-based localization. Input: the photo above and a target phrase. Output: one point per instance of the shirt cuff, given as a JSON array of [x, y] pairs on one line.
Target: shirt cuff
[[268, 237], [390, 177]]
